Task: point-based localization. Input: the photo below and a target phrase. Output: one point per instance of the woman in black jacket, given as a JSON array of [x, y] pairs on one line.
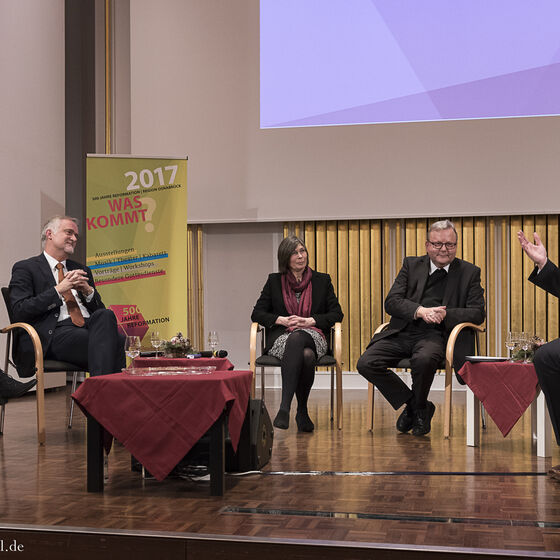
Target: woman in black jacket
[[298, 307]]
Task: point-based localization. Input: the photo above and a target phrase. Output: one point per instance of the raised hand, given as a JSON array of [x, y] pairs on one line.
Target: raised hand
[[535, 251]]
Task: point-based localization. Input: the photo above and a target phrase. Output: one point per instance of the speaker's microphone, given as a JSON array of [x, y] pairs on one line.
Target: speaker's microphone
[[213, 354]]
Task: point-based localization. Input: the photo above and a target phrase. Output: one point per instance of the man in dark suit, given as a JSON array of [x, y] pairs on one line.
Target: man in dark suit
[[430, 295], [547, 358], [57, 296]]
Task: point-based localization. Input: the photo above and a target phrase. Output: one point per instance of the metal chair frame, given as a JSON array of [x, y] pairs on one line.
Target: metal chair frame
[[331, 360]]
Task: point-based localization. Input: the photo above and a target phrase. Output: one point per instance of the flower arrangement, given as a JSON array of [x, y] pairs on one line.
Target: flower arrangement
[[526, 355], [177, 347]]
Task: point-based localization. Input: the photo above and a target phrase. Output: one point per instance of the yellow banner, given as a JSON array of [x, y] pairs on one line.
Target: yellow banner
[[137, 240]]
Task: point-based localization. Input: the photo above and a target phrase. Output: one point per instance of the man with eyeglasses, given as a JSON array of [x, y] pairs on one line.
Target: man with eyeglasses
[[57, 296], [430, 295]]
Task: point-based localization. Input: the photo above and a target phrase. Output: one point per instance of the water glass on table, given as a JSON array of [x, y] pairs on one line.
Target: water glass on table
[[525, 343], [511, 343], [132, 346], [156, 341], [213, 340]]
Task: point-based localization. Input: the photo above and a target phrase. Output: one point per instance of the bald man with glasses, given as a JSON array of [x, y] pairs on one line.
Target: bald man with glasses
[[430, 295]]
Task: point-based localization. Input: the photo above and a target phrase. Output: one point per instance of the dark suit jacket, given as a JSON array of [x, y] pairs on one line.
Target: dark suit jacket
[[548, 278], [464, 298], [35, 301], [325, 308]]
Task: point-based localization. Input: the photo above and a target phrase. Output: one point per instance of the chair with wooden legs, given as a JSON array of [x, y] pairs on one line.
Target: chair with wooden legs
[[446, 365], [331, 360], [41, 366], [39, 373]]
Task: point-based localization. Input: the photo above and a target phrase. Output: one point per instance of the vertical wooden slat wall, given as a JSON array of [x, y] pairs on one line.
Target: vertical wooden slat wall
[[480, 259], [195, 290], [364, 256], [200, 340], [503, 295], [493, 279], [190, 283]]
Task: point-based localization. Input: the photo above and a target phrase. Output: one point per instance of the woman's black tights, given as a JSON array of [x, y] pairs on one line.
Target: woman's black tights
[[298, 369]]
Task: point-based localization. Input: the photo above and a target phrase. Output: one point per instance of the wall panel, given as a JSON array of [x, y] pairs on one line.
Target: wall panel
[[364, 256]]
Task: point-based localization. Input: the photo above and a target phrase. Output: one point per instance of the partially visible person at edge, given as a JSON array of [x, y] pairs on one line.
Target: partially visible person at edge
[[57, 296], [298, 307], [546, 275]]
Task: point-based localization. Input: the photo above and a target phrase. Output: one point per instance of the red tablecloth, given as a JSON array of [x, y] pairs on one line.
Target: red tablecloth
[[159, 418], [505, 389], [220, 363]]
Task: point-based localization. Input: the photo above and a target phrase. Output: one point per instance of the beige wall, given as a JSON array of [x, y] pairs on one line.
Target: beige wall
[[32, 130], [195, 91], [237, 261]]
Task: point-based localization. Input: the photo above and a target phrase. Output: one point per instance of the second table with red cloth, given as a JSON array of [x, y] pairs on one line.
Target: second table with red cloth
[[220, 363], [506, 389], [159, 418]]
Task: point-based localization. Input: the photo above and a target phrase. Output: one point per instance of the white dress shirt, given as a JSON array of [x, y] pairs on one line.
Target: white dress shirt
[[63, 313]]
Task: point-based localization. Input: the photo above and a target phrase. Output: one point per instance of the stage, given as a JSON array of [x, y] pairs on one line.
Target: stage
[[329, 494]]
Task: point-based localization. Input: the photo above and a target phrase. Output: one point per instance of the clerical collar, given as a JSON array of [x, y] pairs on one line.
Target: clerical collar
[[433, 268]]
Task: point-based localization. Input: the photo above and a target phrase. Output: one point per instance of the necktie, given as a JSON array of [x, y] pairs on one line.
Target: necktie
[[71, 303]]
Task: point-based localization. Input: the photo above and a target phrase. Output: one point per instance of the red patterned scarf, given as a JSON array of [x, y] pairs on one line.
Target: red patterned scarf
[[290, 286]]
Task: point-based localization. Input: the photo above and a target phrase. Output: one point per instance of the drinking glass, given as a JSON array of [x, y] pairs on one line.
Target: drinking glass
[[156, 341], [510, 344], [132, 346], [525, 344], [213, 340]]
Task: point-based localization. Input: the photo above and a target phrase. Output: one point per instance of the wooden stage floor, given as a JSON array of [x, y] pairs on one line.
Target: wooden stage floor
[[341, 487]]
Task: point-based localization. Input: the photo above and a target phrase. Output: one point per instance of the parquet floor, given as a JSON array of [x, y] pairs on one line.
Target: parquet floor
[[347, 485]]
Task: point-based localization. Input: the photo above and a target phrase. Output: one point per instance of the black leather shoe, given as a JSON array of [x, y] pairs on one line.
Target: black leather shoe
[[405, 420], [11, 389], [304, 423], [422, 420], [282, 419]]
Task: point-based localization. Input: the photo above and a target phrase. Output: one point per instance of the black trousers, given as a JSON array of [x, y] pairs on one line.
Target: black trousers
[[97, 347], [424, 347], [547, 366]]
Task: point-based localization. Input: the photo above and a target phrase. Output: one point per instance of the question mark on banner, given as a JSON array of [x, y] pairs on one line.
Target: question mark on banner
[[151, 204]]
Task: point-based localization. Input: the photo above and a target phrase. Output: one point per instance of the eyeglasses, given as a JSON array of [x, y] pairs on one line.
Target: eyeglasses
[[438, 245]]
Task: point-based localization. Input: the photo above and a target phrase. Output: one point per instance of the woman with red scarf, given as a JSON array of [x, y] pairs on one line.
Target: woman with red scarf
[[298, 307]]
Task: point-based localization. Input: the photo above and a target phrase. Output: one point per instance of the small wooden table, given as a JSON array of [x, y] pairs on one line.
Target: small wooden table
[[158, 418]]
